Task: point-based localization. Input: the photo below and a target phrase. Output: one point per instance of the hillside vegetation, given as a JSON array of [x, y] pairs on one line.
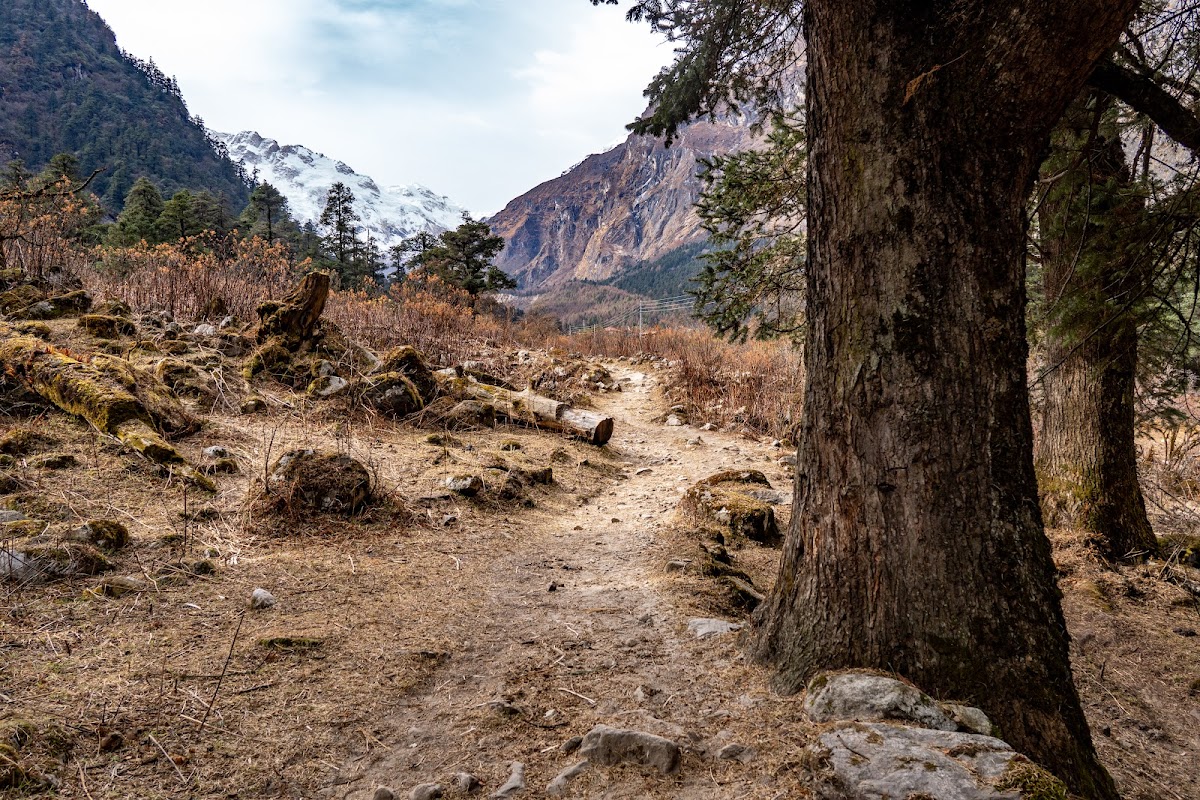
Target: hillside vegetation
[[68, 88]]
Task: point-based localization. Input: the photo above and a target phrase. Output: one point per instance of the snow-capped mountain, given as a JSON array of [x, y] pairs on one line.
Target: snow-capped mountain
[[304, 176]]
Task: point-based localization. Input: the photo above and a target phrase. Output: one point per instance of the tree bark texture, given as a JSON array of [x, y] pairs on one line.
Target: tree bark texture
[[916, 543], [1086, 454]]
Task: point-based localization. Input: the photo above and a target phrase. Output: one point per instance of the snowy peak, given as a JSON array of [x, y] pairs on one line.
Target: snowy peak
[[304, 176]]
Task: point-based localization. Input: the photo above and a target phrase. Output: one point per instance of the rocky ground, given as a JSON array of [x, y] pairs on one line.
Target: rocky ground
[[478, 597]]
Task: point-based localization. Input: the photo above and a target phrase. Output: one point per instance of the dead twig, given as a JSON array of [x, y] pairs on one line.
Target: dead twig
[[170, 760], [224, 669], [587, 700]]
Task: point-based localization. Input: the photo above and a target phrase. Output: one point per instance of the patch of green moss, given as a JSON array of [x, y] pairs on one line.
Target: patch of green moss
[[1033, 782], [103, 326], [23, 441], [272, 358]]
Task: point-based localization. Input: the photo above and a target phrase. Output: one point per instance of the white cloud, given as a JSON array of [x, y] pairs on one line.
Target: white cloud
[[477, 99]]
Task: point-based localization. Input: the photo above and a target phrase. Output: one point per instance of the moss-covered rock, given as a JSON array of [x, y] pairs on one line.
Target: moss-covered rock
[[157, 398], [327, 386], [185, 379], [22, 529], [65, 305], [1033, 782], [18, 297], [411, 364], [54, 461], [105, 534], [103, 326], [391, 393], [114, 308], [309, 480], [253, 404], [42, 561], [272, 359], [103, 399], [723, 503]]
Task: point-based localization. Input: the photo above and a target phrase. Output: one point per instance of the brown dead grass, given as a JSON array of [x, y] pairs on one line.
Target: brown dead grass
[[147, 665]]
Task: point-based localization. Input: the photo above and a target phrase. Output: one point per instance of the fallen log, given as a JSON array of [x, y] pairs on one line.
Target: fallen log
[[87, 392], [527, 408]]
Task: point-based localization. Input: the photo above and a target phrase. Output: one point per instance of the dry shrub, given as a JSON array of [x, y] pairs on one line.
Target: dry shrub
[[37, 226], [1170, 471], [442, 321], [196, 278], [756, 385]]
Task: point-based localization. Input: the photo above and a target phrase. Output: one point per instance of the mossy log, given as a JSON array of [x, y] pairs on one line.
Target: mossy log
[[293, 319], [527, 408], [96, 396]]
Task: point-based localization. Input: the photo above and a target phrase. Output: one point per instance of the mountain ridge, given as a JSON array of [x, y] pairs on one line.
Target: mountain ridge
[[65, 86], [303, 176], [630, 205]]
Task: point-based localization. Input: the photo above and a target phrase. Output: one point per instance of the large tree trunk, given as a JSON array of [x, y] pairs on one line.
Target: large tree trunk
[[1086, 455], [916, 543]]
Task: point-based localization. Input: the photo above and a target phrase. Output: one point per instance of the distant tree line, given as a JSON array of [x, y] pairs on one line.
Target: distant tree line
[[337, 242]]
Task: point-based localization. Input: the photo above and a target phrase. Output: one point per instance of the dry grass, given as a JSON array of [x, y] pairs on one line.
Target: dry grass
[[183, 667], [754, 386]]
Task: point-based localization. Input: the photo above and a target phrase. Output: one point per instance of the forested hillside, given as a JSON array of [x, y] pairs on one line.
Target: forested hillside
[[65, 86]]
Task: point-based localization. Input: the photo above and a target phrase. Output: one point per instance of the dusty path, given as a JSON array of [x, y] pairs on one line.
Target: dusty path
[[581, 625]]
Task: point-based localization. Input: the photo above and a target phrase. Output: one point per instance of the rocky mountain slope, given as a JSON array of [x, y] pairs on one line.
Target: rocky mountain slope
[[65, 86], [615, 210], [304, 176]]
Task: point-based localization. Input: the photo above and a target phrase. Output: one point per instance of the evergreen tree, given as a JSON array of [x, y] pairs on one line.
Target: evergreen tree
[[340, 241], [752, 205], [178, 220], [210, 214], [463, 257], [267, 213], [915, 415], [62, 165], [139, 220]]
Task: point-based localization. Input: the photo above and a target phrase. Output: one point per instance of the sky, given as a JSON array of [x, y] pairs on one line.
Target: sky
[[480, 100]]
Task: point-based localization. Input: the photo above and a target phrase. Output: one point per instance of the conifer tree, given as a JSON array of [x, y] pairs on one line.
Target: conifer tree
[[139, 220], [266, 213], [340, 241], [177, 220], [463, 257]]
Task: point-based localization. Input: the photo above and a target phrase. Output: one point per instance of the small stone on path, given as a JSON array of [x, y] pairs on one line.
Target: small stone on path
[[704, 628], [426, 791], [261, 599], [515, 784], [558, 786], [466, 782], [384, 793], [737, 752], [606, 745]]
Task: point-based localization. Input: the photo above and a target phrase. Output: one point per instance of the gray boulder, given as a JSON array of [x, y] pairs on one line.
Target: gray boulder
[[604, 745], [703, 628], [866, 697], [466, 485], [878, 761]]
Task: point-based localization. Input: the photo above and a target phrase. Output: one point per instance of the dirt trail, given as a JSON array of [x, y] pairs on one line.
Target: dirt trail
[[581, 625]]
